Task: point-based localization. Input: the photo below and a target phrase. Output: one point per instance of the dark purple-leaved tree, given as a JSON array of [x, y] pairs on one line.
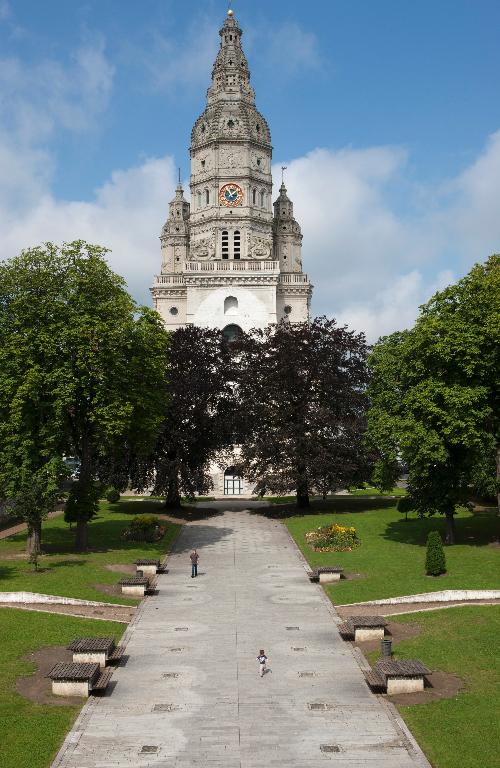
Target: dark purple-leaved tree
[[200, 415], [302, 390]]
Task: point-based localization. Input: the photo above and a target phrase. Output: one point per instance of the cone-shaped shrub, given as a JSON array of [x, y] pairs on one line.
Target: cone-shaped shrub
[[435, 561]]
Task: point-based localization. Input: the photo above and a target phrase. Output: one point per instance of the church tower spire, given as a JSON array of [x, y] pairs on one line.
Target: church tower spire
[[227, 261]]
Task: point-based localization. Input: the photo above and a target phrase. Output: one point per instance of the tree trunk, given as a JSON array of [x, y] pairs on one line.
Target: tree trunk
[[34, 542], [82, 535], [450, 527], [173, 500], [85, 480], [498, 478], [302, 487]]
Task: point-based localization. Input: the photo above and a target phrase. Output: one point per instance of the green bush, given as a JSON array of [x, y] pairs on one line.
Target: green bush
[[144, 528], [435, 561], [404, 506], [112, 495]]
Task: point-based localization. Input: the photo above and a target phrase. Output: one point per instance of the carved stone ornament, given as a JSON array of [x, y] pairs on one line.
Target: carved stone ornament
[[259, 247], [203, 249], [230, 158]]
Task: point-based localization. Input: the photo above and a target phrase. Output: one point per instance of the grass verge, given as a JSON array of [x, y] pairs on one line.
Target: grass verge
[[31, 734], [461, 731], [391, 558], [70, 574]]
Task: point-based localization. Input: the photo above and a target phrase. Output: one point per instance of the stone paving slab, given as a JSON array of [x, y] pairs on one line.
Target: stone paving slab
[[190, 694]]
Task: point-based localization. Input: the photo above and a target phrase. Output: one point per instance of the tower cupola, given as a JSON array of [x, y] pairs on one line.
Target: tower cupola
[[174, 236], [287, 234]]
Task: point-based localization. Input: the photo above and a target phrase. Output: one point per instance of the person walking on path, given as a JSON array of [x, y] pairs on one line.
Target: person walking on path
[[262, 659], [194, 557]]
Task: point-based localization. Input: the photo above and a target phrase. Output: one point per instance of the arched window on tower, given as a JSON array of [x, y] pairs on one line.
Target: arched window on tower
[[236, 245], [225, 244], [207, 197], [254, 196], [230, 305], [198, 196], [262, 198]]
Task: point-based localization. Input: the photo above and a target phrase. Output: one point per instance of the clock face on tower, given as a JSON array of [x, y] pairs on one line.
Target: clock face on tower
[[230, 195]]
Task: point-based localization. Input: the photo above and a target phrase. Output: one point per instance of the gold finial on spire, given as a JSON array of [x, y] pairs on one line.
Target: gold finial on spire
[[230, 11]]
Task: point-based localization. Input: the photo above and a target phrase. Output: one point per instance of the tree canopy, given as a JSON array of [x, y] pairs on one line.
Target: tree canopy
[[82, 372], [302, 390], [199, 415], [434, 395]]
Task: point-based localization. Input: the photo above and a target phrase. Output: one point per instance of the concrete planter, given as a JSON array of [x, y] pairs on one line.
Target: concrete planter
[[361, 634], [328, 578], [90, 657], [71, 688], [404, 685]]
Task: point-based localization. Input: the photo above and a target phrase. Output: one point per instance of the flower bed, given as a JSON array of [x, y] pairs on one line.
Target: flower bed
[[333, 538]]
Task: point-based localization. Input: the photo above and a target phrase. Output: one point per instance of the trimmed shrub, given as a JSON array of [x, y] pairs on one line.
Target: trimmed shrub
[[435, 561], [112, 495], [333, 538], [144, 528], [404, 506]]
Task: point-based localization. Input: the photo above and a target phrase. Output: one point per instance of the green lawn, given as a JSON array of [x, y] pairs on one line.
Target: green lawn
[[374, 492], [71, 574], [461, 732], [31, 734], [392, 553]]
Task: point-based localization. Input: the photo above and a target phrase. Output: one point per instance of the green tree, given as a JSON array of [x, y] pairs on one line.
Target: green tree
[[435, 561], [86, 374], [199, 416], [303, 391], [434, 395]]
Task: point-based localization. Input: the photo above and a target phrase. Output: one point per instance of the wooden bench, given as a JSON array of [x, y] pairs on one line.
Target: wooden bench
[[137, 586], [117, 655], [100, 650], [361, 628], [391, 677], [148, 567], [103, 680], [79, 679]]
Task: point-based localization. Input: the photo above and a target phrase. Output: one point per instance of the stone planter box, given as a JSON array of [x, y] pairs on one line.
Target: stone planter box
[[134, 590], [328, 578], [361, 634], [396, 684], [148, 567]]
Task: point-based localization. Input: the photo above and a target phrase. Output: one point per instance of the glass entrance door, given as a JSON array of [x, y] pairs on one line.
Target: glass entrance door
[[233, 484]]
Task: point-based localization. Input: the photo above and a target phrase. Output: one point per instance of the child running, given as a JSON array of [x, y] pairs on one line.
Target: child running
[[262, 659]]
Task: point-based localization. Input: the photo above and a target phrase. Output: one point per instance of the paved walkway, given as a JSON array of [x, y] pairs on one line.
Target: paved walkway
[[189, 695]]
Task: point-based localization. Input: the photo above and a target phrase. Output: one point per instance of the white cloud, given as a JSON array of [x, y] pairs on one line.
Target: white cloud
[[39, 99], [373, 266], [172, 63], [5, 10], [126, 216], [292, 48]]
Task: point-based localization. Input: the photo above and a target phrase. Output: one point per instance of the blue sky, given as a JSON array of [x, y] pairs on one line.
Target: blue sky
[[387, 114]]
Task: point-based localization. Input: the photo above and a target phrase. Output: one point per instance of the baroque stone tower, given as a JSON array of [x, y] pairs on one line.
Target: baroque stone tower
[[228, 260]]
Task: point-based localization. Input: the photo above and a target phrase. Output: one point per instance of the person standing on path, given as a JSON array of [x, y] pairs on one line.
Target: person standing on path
[[194, 557], [262, 659]]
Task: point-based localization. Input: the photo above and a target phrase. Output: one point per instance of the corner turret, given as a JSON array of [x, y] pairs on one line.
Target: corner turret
[[174, 236], [287, 234]]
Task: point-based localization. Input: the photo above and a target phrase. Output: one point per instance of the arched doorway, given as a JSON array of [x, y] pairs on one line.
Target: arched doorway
[[233, 484], [232, 332]]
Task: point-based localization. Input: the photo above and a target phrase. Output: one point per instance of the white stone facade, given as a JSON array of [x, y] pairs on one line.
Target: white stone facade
[[231, 257]]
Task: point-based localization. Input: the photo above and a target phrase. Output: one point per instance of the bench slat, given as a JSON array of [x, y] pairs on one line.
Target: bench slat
[[103, 680]]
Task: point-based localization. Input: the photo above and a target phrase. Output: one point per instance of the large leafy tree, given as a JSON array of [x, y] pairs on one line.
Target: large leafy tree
[[303, 394], [434, 395], [83, 373], [200, 418]]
